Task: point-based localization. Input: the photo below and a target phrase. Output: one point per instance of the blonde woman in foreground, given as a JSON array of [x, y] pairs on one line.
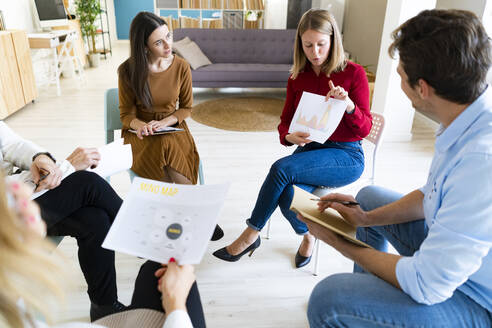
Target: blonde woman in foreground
[[31, 271]]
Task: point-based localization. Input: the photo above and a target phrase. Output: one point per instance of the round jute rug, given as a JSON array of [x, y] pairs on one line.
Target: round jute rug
[[240, 114]]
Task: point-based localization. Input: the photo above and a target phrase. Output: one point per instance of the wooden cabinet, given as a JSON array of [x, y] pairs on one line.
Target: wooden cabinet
[[17, 84]]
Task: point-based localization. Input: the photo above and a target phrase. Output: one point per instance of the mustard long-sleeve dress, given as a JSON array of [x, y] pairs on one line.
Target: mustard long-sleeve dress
[[172, 94]]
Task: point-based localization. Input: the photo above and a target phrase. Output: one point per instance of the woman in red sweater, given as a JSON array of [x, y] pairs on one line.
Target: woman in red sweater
[[319, 67]]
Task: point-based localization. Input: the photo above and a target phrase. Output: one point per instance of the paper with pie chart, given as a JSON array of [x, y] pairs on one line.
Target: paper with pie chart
[[160, 220], [317, 117]]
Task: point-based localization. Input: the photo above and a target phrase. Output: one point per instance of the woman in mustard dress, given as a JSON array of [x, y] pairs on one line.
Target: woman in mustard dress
[[155, 91]]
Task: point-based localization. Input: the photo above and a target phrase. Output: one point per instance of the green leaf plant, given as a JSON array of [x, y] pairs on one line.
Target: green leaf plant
[[87, 13]]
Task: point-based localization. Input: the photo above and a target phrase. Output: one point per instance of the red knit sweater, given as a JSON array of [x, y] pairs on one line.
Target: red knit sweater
[[353, 79]]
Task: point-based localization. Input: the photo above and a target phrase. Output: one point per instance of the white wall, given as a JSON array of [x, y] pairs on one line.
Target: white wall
[[362, 30], [18, 14], [389, 99], [476, 6], [276, 14], [336, 7]]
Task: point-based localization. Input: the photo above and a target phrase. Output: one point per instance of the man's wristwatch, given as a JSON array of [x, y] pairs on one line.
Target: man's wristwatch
[[44, 153]]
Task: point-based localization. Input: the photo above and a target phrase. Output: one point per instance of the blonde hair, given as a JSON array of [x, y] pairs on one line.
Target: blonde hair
[[322, 21], [30, 270]]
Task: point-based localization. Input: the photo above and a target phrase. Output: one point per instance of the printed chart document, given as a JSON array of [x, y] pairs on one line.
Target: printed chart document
[[317, 117], [164, 130], [160, 220], [115, 157], [331, 219]]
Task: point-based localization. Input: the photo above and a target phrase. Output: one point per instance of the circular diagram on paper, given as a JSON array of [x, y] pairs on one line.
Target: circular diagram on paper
[[174, 231]]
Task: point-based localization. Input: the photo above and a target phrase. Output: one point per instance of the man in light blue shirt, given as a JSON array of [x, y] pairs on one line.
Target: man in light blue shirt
[[443, 273]]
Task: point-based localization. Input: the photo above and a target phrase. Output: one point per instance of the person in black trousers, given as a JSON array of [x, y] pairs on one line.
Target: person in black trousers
[[75, 203], [84, 206], [147, 296]]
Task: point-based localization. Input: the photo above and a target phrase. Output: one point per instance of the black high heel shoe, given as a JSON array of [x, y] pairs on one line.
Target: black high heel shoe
[[218, 233], [223, 254], [302, 260]]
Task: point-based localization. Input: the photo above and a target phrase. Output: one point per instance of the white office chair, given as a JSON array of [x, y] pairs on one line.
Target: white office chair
[[373, 140]]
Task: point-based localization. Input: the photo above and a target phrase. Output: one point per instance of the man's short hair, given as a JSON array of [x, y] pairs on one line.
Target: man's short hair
[[449, 49]]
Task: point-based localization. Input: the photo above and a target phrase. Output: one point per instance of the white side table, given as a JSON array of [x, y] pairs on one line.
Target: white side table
[[52, 40]]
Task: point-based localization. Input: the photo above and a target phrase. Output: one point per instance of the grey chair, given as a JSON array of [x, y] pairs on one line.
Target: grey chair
[[56, 239], [112, 122]]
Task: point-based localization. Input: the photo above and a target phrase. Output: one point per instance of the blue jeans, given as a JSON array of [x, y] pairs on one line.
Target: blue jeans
[[332, 164], [363, 300]]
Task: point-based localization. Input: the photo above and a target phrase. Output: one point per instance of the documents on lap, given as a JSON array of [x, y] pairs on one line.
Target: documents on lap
[[160, 220], [316, 116], [329, 218], [115, 157]]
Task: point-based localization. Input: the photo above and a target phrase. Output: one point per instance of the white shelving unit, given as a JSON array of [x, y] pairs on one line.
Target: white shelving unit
[[212, 13]]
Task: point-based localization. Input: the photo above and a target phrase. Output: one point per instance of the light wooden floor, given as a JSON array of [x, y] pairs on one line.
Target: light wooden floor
[[263, 291]]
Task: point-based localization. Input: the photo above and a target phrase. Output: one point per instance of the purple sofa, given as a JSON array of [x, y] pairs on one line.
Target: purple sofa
[[242, 58]]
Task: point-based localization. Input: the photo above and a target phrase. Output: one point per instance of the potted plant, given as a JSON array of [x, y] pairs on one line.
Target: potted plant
[[251, 15], [87, 12]]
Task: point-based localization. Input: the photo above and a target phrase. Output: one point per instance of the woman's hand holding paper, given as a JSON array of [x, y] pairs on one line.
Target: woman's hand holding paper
[[298, 138], [175, 283], [83, 158]]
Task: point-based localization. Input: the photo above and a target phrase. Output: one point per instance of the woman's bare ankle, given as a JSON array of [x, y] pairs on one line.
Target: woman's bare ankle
[[247, 237], [307, 245], [250, 235]]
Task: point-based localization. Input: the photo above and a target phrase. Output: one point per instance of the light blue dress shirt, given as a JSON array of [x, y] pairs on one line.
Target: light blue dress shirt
[[458, 211]]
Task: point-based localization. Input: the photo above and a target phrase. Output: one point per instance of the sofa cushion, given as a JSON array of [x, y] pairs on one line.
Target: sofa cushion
[[242, 72], [191, 53], [178, 43]]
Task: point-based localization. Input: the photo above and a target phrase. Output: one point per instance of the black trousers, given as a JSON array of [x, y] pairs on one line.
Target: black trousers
[[84, 206], [146, 295]]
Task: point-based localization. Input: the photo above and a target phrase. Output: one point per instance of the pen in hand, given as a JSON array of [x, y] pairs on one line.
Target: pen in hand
[[41, 178], [343, 202]]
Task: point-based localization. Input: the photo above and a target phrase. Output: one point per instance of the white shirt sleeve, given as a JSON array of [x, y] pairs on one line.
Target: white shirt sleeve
[[15, 149], [458, 238], [178, 319]]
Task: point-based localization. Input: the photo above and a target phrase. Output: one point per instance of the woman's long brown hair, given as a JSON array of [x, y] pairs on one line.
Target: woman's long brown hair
[[134, 71]]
